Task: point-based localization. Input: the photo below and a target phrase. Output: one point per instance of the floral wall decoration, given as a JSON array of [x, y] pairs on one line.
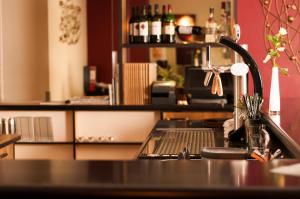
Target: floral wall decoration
[[286, 14], [69, 22]]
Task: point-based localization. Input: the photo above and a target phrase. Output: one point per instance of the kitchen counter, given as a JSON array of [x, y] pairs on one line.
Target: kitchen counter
[[92, 107], [147, 178]]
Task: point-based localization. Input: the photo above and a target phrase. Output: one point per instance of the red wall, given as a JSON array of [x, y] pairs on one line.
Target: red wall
[[102, 36], [251, 19]]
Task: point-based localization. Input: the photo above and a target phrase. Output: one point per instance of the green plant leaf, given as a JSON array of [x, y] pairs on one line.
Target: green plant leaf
[[270, 38], [273, 53]]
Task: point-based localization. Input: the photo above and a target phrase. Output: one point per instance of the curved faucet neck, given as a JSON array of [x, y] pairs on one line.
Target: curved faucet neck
[[257, 81]]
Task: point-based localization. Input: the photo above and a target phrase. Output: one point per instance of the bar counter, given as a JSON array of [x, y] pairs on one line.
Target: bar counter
[[205, 178], [147, 178]]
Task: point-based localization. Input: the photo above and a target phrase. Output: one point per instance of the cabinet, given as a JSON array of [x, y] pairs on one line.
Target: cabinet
[[128, 126], [143, 52], [121, 131]]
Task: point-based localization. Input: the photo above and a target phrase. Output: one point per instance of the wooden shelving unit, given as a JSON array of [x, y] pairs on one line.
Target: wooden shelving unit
[[175, 45]]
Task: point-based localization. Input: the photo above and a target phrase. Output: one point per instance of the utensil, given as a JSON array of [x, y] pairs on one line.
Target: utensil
[[220, 86], [207, 78]]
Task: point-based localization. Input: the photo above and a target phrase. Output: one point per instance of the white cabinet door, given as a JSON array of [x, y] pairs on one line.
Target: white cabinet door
[[123, 126]]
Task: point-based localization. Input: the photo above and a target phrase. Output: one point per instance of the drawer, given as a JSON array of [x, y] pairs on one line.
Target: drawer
[[107, 152], [44, 151]]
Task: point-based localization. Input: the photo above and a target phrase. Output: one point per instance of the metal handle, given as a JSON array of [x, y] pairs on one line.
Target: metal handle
[[2, 126], [11, 126], [3, 155]]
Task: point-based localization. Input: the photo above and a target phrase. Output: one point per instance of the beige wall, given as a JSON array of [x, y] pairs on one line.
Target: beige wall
[[66, 61], [34, 61], [25, 49]]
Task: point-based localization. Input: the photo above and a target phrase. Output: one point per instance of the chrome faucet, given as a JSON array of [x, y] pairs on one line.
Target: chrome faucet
[[240, 83]]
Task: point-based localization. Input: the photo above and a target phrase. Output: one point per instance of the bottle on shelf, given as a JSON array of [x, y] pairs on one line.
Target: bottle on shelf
[[224, 29], [156, 25], [210, 27], [144, 26], [131, 25], [168, 22], [136, 29]]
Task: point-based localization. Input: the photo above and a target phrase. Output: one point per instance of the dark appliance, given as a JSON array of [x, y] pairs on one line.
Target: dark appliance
[[194, 87], [163, 92]]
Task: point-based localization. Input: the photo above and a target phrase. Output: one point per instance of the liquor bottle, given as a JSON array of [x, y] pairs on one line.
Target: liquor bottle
[[211, 26], [136, 31], [224, 29], [131, 25], [155, 36], [144, 26], [168, 27]]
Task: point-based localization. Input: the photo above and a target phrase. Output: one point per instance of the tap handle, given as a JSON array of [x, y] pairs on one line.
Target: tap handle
[[220, 86], [208, 57], [207, 78]]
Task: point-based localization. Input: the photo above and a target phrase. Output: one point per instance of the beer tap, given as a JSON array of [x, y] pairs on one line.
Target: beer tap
[[241, 86]]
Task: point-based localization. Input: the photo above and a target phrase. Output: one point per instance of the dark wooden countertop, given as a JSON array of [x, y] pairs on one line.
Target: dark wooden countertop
[[151, 107], [8, 139], [180, 178]]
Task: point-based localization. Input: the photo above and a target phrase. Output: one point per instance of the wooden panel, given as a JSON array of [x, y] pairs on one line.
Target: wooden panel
[[124, 126], [107, 152], [197, 115], [43, 152]]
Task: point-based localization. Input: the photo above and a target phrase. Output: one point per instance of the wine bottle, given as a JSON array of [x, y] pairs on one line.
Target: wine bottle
[[211, 26], [144, 26], [131, 25], [136, 31], [168, 27], [155, 36]]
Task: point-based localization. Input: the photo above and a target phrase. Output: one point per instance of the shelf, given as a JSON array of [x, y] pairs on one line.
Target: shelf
[[37, 143], [109, 143], [176, 45]]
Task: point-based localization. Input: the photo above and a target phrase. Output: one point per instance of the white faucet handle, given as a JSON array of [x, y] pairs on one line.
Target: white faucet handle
[[239, 69]]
